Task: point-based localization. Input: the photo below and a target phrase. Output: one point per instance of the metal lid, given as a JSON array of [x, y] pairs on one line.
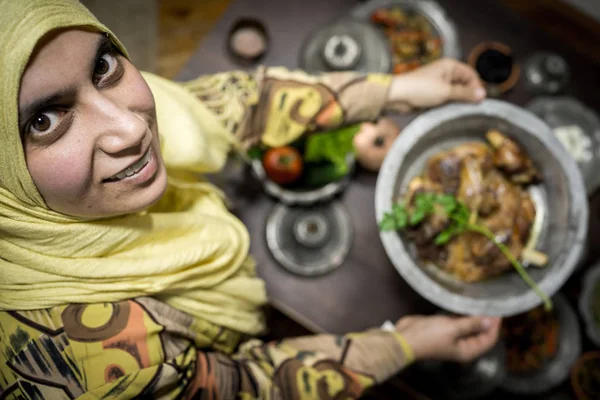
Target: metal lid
[[577, 127], [444, 26], [347, 44], [309, 241], [546, 73], [557, 370]]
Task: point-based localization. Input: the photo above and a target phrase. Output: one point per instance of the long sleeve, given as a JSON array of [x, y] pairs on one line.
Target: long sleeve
[[142, 348], [276, 106], [313, 367], [321, 366]]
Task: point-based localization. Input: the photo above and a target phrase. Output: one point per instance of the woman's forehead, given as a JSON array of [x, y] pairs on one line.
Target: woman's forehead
[[58, 62]]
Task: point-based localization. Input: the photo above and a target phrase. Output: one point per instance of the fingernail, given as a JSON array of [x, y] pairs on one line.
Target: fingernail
[[480, 93], [486, 323]]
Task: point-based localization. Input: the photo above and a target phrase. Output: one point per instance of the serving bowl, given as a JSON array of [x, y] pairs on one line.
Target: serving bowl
[[303, 196], [560, 199]]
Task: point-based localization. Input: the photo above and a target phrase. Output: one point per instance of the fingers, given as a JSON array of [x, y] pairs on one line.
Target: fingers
[[467, 326], [464, 81], [471, 93], [476, 345]]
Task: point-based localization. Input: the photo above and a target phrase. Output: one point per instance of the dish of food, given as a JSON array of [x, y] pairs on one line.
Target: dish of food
[[585, 376], [589, 303], [490, 181], [413, 38], [531, 340], [541, 347], [558, 229]]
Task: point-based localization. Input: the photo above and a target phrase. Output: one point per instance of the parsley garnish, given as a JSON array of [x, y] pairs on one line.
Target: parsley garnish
[[459, 215]]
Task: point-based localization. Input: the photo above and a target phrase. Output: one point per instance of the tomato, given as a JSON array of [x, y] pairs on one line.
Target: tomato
[[283, 165]]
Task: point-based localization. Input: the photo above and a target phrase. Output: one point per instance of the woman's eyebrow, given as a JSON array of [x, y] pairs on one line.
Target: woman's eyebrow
[[37, 105], [103, 45]]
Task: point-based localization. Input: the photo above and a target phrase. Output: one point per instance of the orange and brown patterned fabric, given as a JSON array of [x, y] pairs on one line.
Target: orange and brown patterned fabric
[[143, 348]]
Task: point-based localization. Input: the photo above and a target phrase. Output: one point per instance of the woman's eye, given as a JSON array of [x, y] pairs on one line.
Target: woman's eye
[[44, 122], [105, 65]]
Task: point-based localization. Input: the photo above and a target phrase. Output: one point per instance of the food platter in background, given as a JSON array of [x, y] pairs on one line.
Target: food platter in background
[[542, 349], [589, 304], [418, 31], [577, 127]]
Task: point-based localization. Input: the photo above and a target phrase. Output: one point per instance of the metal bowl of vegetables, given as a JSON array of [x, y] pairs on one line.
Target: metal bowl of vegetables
[[553, 237], [312, 170]]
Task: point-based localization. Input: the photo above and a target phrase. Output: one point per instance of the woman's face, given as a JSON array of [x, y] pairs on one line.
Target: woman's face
[[88, 125]]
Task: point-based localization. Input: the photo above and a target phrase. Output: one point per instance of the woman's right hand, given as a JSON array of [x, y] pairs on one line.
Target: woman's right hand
[[439, 337]]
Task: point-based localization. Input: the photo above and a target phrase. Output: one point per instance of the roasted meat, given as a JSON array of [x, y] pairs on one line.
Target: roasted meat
[[509, 157], [489, 181]]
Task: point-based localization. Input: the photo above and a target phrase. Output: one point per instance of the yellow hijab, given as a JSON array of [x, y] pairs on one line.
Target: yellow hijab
[[188, 250]]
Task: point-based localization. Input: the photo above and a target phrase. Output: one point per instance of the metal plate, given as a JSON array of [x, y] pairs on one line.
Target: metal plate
[[578, 129], [556, 371], [470, 381], [546, 73], [590, 282], [563, 232], [309, 241], [432, 10], [347, 44]]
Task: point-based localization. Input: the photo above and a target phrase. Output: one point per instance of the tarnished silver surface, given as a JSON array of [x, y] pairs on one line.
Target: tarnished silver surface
[[557, 370], [561, 194], [430, 9], [303, 197], [563, 113], [546, 73], [309, 241], [359, 47], [590, 282], [468, 381]]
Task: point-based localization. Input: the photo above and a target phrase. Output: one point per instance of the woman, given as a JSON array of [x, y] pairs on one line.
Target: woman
[[122, 273]]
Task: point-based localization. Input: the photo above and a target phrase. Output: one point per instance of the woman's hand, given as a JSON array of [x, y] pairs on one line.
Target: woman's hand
[[436, 83], [447, 338]]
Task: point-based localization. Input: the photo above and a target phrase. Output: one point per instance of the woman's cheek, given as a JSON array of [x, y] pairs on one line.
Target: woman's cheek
[[62, 174]]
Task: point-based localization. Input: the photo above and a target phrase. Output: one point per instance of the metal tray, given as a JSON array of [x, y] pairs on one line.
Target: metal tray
[[561, 196]]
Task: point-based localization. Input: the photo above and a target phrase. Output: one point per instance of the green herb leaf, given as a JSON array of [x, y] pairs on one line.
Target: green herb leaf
[[459, 214], [400, 215], [448, 202], [416, 217], [449, 233], [255, 153], [388, 223]]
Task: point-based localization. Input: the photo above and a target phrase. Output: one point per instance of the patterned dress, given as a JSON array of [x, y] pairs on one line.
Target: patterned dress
[[143, 348]]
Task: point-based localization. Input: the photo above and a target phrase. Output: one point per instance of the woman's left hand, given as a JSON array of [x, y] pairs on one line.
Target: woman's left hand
[[436, 83], [438, 337]]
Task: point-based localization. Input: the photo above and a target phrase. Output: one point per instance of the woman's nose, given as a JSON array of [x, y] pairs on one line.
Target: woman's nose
[[119, 127]]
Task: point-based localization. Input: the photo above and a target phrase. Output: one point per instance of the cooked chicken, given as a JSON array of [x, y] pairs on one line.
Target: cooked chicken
[[509, 157], [483, 178]]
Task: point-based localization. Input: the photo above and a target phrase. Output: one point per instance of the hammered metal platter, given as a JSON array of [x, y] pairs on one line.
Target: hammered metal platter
[[436, 15], [310, 241], [557, 370], [560, 198]]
